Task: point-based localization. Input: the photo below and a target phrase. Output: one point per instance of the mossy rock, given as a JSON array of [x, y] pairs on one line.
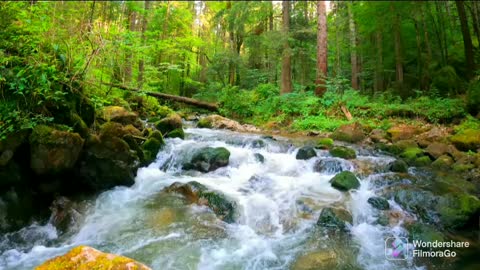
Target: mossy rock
[[399, 166], [157, 135], [79, 125], [422, 161], [324, 143], [345, 181], [443, 162], [424, 232], [410, 155], [176, 133], [458, 210], [86, 110], [53, 151], [334, 218], [306, 152], [169, 123], [83, 258], [208, 159], [113, 129], [390, 148], [349, 133], [151, 147], [120, 115], [420, 202], [460, 167], [402, 132], [405, 144], [204, 123], [343, 152], [466, 140], [379, 203], [164, 111]]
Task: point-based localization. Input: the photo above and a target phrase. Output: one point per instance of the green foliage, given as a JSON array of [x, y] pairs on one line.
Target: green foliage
[[319, 122], [469, 123], [473, 97]]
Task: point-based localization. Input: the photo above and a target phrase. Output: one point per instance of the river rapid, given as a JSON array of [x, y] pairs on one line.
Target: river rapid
[[278, 204]]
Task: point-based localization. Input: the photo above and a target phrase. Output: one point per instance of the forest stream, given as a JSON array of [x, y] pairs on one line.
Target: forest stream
[[277, 206]]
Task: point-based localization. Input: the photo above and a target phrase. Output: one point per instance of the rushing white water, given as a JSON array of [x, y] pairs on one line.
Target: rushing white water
[[278, 204]]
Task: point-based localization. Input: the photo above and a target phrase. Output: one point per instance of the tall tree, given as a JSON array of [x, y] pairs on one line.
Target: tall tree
[[141, 62], [321, 48], [353, 47], [467, 39], [398, 45], [286, 84]]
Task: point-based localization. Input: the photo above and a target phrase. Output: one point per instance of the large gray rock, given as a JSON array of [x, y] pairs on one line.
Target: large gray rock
[[208, 159], [306, 152]]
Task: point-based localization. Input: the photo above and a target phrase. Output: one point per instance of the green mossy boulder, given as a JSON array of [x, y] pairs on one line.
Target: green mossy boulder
[[204, 123], [151, 147], [443, 162], [53, 151], [195, 192], [402, 132], [436, 149], [83, 257], [113, 129], [379, 203], [345, 181], [466, 140], [420, 202], [399, 166], [169, 124], [458, 210], [349, 133], [306, 152], [208, 159], [422, 161], [424, 232], [176, 133], [324, 143], [343, 152], [120, 115], [79, 125], [334, 218], [405, 144]]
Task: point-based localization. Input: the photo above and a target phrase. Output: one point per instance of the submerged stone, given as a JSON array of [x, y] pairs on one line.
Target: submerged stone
[[306, 152], [399, 166], [259, 157], [208, 159], [329, 165], [334, 218], [325, 259], [379, 203], [345, 181]]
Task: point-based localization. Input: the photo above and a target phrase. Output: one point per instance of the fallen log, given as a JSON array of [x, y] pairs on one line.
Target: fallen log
[[186, 100]]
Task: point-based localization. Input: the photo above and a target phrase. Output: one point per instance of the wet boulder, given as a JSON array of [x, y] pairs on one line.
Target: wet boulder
[[152, 146], [169, 124], [258, 143], [84, 257], [259, 157], [378, 136], [458, 210], [220, 122], [52, 150], [120, 115], [379, 203], [197, 193], [208, 159], [443, 162], [349, 133], [424, 232], [402, 132], [420, 202], [399, 166], [334, 218], [306, 152], [330, 165], [176, 133], [343, 152], [325, 259], [466, 140], [345, 181], [64, 214], [436, 149]]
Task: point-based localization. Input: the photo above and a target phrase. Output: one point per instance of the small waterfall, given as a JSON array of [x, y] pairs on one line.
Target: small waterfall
[[278, 202]]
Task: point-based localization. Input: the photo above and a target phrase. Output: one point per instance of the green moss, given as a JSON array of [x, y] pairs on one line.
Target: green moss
[[150, 149], [468, 139], [204, 123], [343, 152], [424, 232], [169, 123], [457, 210], [42, 133], [164, 111], [422, 161], [412, 153], [176, 133], [157, 135], [462, 167], [345, 181], [325, 143], [79, 125]]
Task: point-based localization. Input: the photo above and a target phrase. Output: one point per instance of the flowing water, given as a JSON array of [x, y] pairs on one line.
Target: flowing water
[[278, 204]]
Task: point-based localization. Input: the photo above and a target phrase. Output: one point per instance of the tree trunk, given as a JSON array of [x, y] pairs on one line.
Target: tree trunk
[[286, 84], [141, 62], [378, 84], [467, 40], [132, 17], [428, 60], [321, 49], [353, 47], [398, 46]]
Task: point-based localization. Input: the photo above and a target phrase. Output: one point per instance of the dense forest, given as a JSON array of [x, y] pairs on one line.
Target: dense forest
[[91, 91]]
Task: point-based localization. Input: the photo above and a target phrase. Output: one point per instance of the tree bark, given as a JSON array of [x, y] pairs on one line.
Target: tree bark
[[467, 39], [132, 17], [353, 47], [378, 84], [141, 62], [286, 84], [321, 48], [398, 46]]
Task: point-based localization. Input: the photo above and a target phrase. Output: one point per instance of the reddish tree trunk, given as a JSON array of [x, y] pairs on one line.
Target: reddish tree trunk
[[286, 85]]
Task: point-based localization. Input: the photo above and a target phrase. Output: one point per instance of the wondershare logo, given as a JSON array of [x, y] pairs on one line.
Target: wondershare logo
[[396, 248]]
